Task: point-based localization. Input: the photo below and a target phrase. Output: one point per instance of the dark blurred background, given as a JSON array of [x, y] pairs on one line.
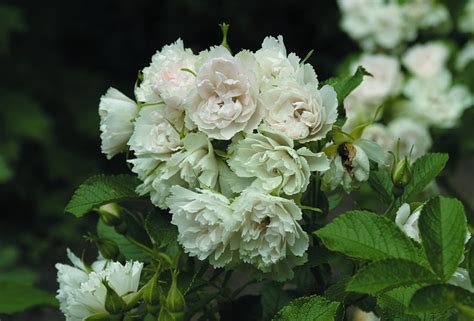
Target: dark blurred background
[[58, 57]]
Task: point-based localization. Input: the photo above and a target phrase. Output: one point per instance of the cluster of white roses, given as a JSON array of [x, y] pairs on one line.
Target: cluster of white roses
[[412, 89], [387, 23], [226, 143], [82, 291]]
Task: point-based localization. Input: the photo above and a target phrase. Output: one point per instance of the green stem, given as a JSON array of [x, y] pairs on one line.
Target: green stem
[[310, 208]]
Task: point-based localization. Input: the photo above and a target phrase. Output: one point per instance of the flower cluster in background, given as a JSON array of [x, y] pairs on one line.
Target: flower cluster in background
[[415, 86], [229, 143]]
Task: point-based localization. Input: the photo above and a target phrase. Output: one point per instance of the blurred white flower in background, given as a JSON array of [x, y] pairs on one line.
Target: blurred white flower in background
[[436, 102], [415, 139], [466, 21], [426, 60], [465, 55], [385, 82]]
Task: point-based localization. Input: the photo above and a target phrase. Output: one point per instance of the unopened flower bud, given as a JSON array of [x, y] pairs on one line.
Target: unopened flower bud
[[401, 174], [114, 304], [108, 248], [110, 214], [151, 294], [165, 315], [175, 300]]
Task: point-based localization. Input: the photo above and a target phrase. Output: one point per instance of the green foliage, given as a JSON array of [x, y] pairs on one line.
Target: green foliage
[[441, 297], [389, 274], [160, 230], [15, 297], [381, 183], [5, 171], [99, 190], [345, 85], [11, 21], [443, 231], [366, 235], [470, 262], [273, 298], [129, 250], [314, 308], [424, 171]]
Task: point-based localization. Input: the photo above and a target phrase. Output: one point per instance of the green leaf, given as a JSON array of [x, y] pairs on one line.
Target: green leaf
[[395, 304], [16, 297], [337, 291], [163, 233], [442, 297], [381, 182], [368, 236], [19, 275], [314, 308], [424, 170], [470, 262], [389, 274], [273, 299], [443, 230], [128, 249], [160, 230], [6, 172], [397, 300], [345, 85], [99, 190], [11, 21]]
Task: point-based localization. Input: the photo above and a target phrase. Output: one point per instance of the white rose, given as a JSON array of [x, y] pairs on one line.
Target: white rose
[[385, 81], [466, 22], [390, 27], [426, 60], [81, 292], [269, 157], [414, 137], [296, 107], [154, 134], [273, 60], [429, 100], [379, 134], [157, 179], [465, 56], [376, 24], [117, 113], [206, 224], [348, 170], [269, 233], [165, 80], [350, 164], [349, 5], [225, 101], [408, 221], [196, 163]]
